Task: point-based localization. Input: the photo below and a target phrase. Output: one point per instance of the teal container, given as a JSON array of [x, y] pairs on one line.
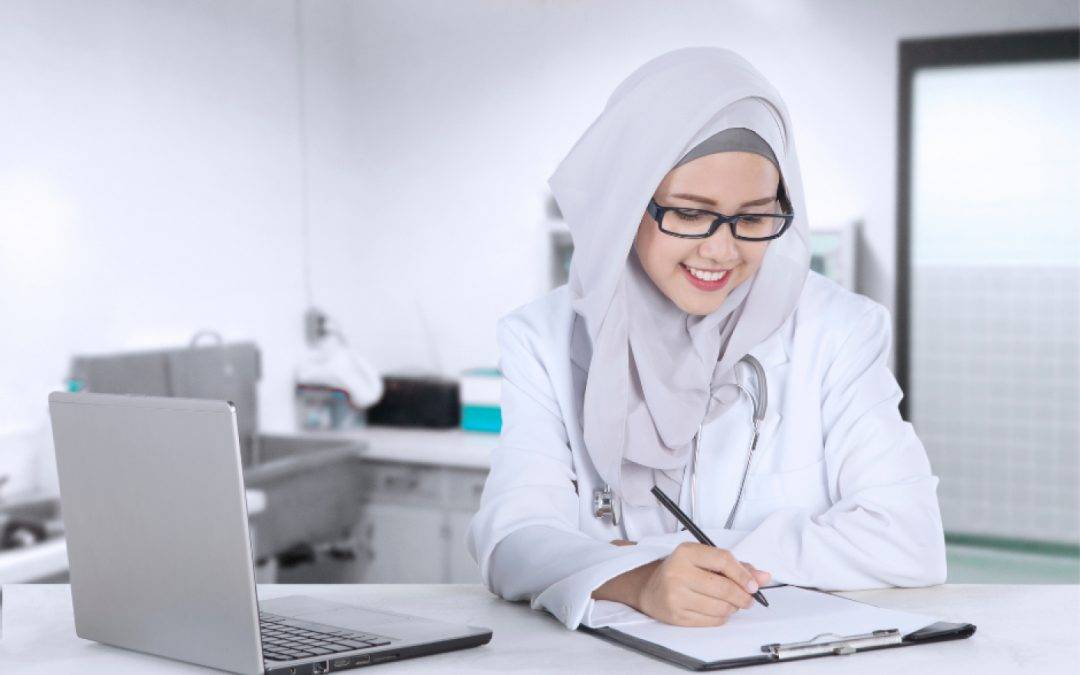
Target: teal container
[[481, 418]]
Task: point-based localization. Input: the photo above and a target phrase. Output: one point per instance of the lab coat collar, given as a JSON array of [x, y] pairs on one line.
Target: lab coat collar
[[773, 351]]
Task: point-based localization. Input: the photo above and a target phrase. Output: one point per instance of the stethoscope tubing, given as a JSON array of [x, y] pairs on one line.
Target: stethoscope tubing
[[757, 416], [604, 501]]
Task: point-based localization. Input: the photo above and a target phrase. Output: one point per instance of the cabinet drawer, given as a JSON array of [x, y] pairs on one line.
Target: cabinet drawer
[[464, 487], [405, 483]]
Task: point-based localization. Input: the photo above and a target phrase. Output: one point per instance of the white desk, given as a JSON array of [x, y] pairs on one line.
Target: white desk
[[1030, 629]]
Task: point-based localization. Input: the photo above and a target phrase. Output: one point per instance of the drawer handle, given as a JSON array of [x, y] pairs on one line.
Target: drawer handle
[[408, 483]]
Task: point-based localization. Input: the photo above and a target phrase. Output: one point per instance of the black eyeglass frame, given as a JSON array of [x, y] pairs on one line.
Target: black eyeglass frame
[[657, 212]]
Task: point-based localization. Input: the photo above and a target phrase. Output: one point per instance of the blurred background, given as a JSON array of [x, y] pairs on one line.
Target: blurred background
[[319, 209]]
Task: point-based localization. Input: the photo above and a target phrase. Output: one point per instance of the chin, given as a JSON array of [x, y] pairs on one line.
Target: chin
[[699, 307]]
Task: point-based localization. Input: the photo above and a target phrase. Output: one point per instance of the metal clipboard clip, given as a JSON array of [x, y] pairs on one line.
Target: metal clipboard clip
[[831, 643]]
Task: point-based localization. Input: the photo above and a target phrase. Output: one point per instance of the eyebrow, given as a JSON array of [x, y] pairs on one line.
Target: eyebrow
[[703, 200]]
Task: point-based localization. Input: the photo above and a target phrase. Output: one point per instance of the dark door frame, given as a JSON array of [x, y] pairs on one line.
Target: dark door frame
[[961, 50]]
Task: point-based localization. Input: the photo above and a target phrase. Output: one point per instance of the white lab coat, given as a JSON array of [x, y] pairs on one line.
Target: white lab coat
[[839, 496]]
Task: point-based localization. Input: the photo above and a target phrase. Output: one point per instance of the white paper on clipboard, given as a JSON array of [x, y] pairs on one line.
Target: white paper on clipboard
[[794, 615]]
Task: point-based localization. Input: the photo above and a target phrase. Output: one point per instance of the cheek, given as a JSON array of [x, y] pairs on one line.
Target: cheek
[[753, 255], [656, 254]]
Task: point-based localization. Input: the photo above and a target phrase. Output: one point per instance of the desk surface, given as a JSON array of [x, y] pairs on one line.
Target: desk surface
[[1020, 629]]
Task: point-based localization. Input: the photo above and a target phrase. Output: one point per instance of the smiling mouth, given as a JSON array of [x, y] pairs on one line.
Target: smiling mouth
[[704, 280], [705, 275]]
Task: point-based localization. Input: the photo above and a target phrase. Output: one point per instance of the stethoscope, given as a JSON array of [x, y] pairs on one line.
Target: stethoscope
[[604, 502]]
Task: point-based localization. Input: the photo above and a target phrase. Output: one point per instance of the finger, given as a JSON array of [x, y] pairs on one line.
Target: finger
[[705, 605], [722, 561], [716, 586]]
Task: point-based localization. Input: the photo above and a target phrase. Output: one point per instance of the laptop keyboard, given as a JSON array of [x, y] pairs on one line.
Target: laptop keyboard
[[286, 639]]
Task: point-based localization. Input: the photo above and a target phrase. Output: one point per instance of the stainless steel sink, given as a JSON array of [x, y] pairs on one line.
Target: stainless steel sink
[[274, 446], [314, 489], [29, 521], [42, 509]]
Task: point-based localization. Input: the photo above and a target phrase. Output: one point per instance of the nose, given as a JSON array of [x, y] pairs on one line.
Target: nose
[[722, 246]]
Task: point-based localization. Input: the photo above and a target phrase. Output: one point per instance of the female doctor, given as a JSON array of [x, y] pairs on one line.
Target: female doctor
[[694, 351]]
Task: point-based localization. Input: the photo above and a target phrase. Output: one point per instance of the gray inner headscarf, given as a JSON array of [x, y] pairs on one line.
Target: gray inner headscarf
[[652, 369], [731, 140]]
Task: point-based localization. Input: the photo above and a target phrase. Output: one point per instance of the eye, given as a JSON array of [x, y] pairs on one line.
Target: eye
[[690, 213]]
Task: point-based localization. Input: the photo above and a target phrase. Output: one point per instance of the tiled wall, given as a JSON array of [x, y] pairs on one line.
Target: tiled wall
[[995, 396]]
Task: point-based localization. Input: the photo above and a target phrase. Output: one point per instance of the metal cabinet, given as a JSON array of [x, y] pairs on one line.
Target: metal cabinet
[[464, 487], [411, 527], [400, 544], [461, 568]]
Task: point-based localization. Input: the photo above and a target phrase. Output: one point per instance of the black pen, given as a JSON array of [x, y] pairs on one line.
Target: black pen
[[694, 529]]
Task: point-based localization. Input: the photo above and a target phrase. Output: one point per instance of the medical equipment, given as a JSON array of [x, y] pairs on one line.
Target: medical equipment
[[481, 400], [604, 502]]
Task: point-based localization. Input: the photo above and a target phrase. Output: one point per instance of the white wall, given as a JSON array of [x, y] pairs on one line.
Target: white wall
[[463, 104], [150, 159], [148, 186]]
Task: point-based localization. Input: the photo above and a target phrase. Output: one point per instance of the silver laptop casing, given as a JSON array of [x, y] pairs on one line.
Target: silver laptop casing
[[151, 492], [152, 496]]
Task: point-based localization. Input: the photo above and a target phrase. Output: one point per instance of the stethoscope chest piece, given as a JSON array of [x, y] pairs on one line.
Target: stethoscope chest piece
[[604, 504]]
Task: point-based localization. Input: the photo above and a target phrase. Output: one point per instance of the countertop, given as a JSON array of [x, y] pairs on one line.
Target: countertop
[[1030, 629], [439, 447]]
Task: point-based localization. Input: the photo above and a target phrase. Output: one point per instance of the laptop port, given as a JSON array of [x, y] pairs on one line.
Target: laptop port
[[362, 660], [340, 663], [319, 668]]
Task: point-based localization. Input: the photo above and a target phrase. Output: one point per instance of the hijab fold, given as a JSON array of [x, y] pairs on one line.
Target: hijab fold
[[655, 373]]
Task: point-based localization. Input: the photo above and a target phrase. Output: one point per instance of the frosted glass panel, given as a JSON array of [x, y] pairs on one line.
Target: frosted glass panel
[[995, 295], [995, 169]]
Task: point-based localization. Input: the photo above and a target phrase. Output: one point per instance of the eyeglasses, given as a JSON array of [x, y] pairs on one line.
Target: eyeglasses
[[698, 223]]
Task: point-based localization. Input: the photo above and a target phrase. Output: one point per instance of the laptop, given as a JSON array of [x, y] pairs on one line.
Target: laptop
[[154, 511]]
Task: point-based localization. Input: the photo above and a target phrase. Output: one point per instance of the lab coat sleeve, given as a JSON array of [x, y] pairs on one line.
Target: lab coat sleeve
[[884, 525], [525, 536]]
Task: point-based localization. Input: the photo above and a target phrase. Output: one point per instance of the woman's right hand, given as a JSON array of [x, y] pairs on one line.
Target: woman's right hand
[[697, 585]]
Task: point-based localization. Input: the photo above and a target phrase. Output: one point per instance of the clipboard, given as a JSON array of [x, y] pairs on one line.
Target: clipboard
[[637, 633]]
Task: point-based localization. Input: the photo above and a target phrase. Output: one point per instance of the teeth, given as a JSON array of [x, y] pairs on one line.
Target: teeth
[[707, 276]]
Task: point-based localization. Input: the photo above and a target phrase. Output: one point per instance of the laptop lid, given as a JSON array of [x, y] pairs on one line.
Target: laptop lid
[[152, 497]]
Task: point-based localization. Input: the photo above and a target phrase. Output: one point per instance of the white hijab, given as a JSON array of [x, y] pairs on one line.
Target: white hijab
[[652, 368]]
